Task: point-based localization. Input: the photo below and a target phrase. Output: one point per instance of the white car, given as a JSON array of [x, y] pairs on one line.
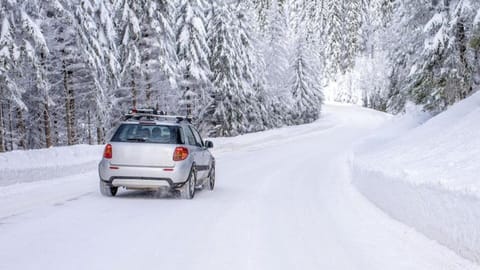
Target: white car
[[151, 151]]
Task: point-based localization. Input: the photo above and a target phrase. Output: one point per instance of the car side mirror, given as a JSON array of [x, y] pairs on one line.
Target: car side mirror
[[209, 144]]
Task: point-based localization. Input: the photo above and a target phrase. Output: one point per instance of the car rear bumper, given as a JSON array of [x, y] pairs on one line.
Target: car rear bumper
[[142, 183], [143, 177]]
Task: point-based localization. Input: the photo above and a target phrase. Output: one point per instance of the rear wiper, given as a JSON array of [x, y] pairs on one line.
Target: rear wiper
[[136, 139]]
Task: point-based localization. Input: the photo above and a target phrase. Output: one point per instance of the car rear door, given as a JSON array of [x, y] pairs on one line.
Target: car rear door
[[195, 150], [204, 157]]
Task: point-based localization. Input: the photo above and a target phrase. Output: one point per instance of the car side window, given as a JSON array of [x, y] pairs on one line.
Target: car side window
[[198, 138], [190, 137], [181, 136]]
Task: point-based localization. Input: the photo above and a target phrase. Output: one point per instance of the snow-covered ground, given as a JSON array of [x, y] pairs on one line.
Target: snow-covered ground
[[283, 200], [427, 175], [44, 164]]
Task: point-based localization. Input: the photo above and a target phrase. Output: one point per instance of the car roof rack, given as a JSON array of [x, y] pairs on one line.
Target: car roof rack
[[154, 115]]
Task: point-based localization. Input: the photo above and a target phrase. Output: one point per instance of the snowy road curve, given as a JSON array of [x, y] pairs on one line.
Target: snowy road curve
[[283, 201]]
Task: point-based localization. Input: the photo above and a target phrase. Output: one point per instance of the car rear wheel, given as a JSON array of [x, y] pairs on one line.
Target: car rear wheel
[[107, 190], [211, 178], [188, 189]]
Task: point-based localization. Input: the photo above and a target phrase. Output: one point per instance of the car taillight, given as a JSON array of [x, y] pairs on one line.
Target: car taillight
[[181, 153], [107, 153]]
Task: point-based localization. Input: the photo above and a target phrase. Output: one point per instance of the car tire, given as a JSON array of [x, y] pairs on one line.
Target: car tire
[[107, 190], [211, 178], [188, 189]]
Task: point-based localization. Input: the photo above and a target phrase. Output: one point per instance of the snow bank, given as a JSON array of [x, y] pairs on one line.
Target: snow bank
[[426, 175], [35, 165]]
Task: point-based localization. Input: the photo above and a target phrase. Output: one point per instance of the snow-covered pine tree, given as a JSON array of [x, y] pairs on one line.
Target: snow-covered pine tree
[[319, 18], [397, 33], [57, 25], [38, 100], [10, 92], [335, 39], [341, 35], [148, 53], [474, 44], [304, 84], [82, 68], [371, 25], [107, 101], [382, 11], [261, 8], [97, 39], [309, 15], [445, 75], [370, 72], [192, 52], [148, 45], [166, 70], [310, 18], [360, 44], [425, 91], [226, 114], [298, 14], [353, 24], [277, 63], [68, 71], [259, 106], [459, 61], [128, 24], [22, 53], [158, 57]]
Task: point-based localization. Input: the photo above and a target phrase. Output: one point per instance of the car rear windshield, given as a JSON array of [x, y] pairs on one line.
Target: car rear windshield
[[147, 133]]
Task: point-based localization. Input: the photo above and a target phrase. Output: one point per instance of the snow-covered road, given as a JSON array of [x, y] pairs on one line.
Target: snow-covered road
[[283, 200]]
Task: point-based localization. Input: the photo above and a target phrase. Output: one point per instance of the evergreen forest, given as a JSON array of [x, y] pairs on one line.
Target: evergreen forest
[[69, 69]]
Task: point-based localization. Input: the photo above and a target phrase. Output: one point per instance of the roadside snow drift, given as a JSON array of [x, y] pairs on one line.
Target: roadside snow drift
[[428, 177], [44, 164]]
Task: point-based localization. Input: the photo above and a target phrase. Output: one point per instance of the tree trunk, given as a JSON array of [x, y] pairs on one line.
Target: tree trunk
[[46, 126], [89, 127], [10, 124], [72, 115], [100, 131], [148, 92], [462, 48], [2, 138], [476, 67], [134, 91], [21, 129], [55, 129], [69, 108], [100, 135], [189, 105]]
